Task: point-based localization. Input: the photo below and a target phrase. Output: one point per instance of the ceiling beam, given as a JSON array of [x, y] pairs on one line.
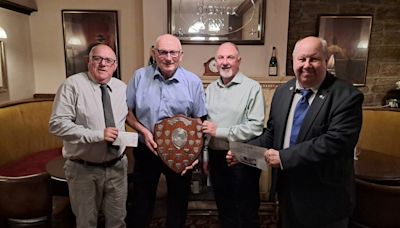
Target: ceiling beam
[[16, 7]]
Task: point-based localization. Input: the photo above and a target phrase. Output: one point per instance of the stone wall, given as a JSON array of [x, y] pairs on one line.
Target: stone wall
[[383, 68]]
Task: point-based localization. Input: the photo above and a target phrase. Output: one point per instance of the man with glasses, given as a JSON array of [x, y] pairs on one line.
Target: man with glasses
[[88, 112], [156, 92]]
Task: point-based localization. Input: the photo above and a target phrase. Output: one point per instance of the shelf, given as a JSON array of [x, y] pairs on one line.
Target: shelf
[[265, 81]]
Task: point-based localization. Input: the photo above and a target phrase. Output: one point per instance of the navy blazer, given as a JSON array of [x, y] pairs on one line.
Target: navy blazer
[[317, 179]]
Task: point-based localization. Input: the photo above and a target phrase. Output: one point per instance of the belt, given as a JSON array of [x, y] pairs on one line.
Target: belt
[[99, 164]]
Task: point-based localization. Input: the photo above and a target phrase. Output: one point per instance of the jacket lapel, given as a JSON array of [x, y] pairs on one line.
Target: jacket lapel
[[285, 104]]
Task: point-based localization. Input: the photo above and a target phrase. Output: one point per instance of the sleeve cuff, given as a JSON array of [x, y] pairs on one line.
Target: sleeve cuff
[[222, 133], [280, 162], [97, 136]]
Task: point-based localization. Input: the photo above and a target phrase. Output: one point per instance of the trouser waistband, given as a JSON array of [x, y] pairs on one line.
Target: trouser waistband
[[99, 164]]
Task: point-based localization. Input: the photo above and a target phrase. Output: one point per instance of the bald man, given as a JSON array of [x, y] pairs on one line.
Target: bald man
[[235, 106], [313, 159], [96, 175], [155, 92]]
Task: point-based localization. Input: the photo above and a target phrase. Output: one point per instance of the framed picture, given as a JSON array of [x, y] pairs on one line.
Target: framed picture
[[215, 22], [3, 69], [84, 29], [348, 41]]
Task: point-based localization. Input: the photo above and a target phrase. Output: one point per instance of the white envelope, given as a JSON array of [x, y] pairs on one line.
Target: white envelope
[[126, 139]]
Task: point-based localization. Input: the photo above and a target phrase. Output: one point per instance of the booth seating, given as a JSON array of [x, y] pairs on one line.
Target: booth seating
[[377, 201], [25, 148], [24, 133], [380, 131]]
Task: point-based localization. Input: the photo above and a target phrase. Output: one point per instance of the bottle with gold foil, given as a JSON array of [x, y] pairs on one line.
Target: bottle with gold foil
[[273, 64]]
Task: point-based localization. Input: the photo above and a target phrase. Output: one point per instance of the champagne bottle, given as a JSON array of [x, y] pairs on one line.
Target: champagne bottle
[[151, 59], [273, 64], [196, 185]]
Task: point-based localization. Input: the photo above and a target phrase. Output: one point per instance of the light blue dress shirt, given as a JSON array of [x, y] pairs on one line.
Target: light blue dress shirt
[[152, 98]]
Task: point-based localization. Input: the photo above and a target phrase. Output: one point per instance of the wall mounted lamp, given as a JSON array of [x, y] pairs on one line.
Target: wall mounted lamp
[[3, 34]]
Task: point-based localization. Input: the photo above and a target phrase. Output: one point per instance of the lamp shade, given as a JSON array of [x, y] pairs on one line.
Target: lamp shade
[[3, 34]]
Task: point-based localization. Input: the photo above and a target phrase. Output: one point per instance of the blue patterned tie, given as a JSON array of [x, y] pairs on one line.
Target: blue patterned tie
[[299, 114]]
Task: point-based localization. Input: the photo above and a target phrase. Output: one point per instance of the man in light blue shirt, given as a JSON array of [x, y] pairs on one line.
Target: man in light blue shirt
[[156, 92]]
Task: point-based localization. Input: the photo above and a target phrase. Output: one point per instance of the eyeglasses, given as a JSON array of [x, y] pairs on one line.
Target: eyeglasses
[[107, 61], [164, 53]]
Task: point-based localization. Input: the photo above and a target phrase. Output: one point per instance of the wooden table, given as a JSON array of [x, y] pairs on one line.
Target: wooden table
[[55, 168], [377, 167]]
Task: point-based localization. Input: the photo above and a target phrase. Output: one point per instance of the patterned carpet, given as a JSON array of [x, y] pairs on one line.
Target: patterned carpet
[[208, 221], [193, 221], [202, 213]]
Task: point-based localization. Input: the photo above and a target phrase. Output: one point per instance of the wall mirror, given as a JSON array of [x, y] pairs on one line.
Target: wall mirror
[[3, 69], [217, 21]]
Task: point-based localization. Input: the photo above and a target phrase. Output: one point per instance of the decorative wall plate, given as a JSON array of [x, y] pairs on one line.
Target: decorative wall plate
[[179, 141]]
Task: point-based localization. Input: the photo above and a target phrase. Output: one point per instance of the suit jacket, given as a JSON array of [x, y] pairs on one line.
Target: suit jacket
[[317, 179]]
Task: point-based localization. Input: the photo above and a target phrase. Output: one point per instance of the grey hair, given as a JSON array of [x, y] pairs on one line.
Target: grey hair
[[156, 43], [98, 45], [324, 46], [235, 46]]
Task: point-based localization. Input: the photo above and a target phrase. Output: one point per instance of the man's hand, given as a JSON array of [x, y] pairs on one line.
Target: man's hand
[[110, 134], [150, 143], [209, 128], [231, 159], [190, 167], [272, 158]]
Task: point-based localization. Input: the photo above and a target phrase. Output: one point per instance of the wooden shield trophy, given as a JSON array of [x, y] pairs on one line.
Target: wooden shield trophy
[[179, 141]]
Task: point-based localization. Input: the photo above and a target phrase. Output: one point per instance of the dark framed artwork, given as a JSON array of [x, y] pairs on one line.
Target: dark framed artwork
[[3, 68], [348, 41], [82, 30]]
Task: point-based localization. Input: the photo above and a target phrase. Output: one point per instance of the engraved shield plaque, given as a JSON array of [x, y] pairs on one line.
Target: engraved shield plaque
[[179, 140]]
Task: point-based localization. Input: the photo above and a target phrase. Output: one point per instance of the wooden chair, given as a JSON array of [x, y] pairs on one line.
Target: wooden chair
[[377, 205], [27, 197]]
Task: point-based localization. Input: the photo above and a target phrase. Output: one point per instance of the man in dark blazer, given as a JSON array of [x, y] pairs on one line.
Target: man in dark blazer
[[314, 177]]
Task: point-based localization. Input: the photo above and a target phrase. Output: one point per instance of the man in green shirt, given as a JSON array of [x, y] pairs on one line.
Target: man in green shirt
[[235, 106]]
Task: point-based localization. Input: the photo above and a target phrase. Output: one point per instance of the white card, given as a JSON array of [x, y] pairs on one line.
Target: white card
[[126, 139]]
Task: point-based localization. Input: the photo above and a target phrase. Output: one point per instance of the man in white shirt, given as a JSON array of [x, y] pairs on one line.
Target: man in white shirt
[[95, 170]]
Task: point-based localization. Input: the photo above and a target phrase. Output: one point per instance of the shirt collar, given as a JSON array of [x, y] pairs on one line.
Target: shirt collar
[[177, 76], [237, 79], [96, 85], [299, 87]]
